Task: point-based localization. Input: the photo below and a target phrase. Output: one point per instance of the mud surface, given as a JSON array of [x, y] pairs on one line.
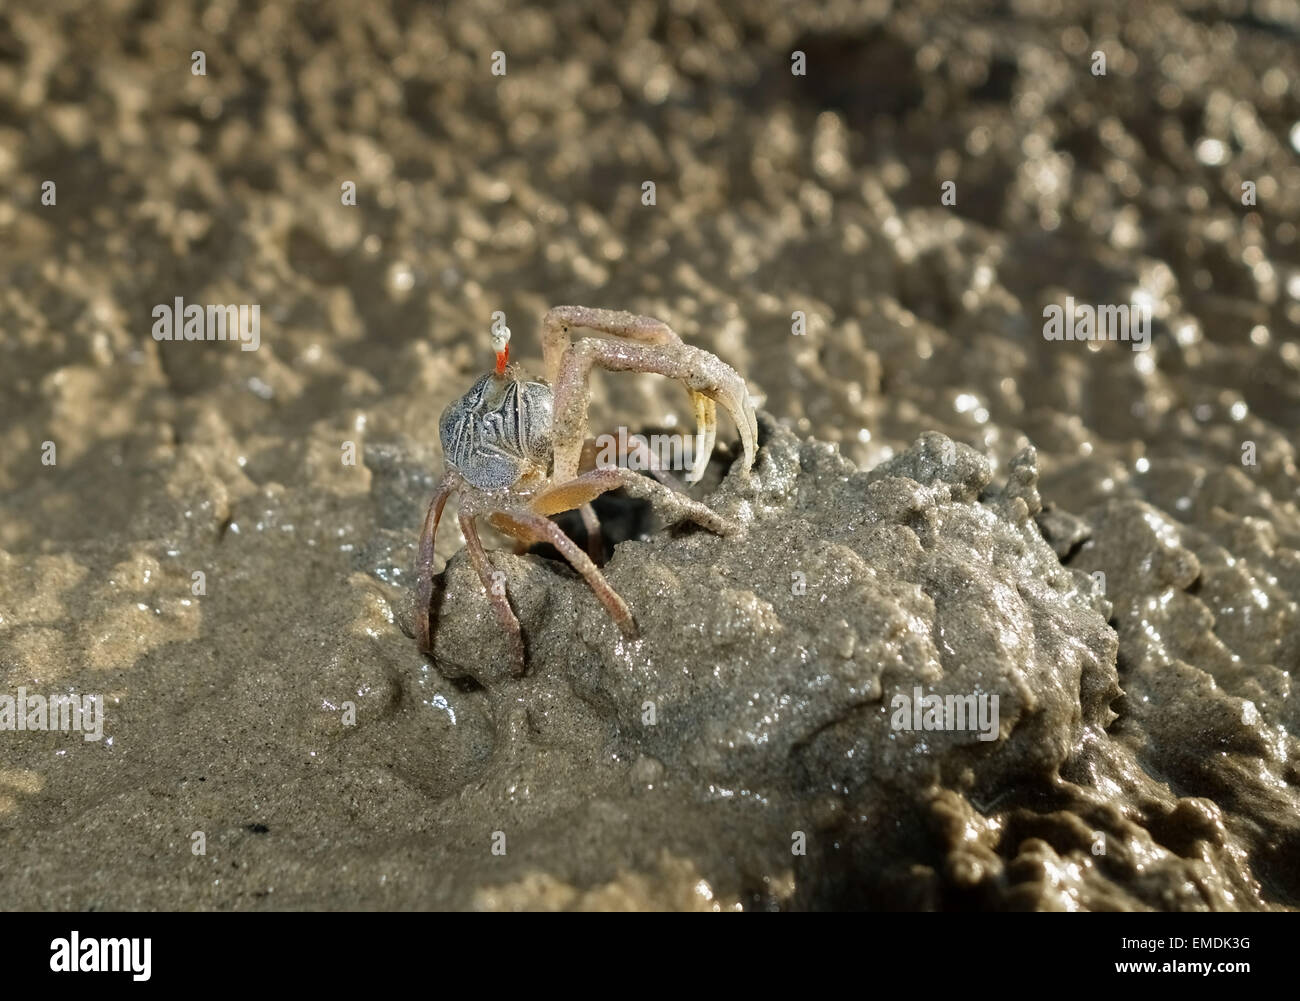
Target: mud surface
[[1108, 540]]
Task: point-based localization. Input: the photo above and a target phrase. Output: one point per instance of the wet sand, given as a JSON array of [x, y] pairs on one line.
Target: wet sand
[[1108, 540]]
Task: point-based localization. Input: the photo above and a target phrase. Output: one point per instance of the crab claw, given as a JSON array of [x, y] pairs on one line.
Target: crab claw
[[637, 344], [706, 419], [713, 381]]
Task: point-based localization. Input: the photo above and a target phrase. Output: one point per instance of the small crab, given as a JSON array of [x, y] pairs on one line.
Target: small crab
[[513, 447]]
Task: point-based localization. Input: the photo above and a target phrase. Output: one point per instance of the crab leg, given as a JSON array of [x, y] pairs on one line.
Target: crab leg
[[636, 446], [560, 320], [671, 505], [424, 561], [655, 348], [523, 522], [500, 604], [595, 538]]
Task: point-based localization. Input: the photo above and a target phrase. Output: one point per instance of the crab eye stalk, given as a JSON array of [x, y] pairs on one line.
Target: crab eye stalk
[[501, 345]]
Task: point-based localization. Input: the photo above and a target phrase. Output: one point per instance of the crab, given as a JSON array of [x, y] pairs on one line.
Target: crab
[[514, 447]]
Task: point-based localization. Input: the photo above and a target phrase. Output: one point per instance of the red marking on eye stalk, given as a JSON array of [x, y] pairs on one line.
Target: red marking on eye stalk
[[502, 356]]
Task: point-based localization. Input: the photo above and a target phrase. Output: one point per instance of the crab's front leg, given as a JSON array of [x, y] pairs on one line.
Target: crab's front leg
[[424, 560], [652, 346], [500, 604]]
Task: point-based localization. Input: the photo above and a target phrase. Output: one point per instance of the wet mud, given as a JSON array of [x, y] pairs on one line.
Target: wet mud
[[945, 501]]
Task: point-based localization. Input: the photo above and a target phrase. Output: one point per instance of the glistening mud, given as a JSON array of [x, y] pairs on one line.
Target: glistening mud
[[1106, 539]]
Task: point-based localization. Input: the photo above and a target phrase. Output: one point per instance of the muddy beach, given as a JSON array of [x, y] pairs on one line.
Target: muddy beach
[[1013, 619]]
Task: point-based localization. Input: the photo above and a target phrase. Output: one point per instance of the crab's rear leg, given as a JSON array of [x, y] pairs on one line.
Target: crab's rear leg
[[525, 524], [671, 506], [655, 348], [638, 447], [595, 537], [424, 561]]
